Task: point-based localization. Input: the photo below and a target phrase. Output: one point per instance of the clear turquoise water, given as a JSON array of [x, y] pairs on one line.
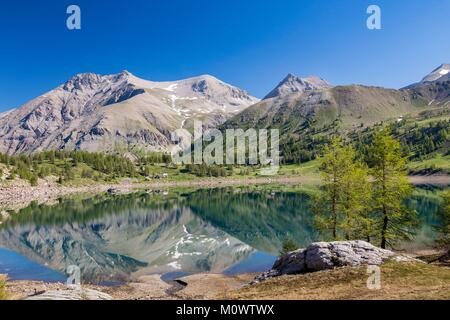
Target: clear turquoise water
[[18, 267]]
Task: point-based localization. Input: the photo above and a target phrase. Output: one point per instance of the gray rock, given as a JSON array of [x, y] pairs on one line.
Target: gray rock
[[293, 262], [327, 255], [319, 257]]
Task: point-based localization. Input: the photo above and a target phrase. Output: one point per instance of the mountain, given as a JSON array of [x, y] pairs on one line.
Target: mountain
[[351, 105], [312, 102], [123, 112], [292, 84], [102, 113], [435, 87], [4, 114], [307, 117], [441, 73]]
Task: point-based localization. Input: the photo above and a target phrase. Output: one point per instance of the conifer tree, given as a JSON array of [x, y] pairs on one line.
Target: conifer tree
[[390, 188], [341, 208]]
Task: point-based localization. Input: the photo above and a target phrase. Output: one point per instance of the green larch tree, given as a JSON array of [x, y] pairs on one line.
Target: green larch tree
[[341, 207], [390, 188]]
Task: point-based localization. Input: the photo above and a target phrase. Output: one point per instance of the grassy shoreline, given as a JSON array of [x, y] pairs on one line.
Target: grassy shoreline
[[14, 196], [416, 281], [18, 194]]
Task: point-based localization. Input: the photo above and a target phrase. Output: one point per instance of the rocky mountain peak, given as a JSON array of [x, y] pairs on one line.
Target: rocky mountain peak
[[125, 73], [292, 84], [81, 81], [97, 112], [440, 73]]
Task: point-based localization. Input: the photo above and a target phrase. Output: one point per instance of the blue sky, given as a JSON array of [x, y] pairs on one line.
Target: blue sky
[[252, 44]]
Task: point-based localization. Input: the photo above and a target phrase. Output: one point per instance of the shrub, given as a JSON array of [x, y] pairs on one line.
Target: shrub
[[3, 294], [289, 245], [33, 180]]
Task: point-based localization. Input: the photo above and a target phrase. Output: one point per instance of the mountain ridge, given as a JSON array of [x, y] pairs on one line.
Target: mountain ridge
[[306, 119], [108, 113], [97, 112], [440, 74]]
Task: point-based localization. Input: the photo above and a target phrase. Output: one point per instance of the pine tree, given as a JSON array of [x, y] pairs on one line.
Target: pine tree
[[390, 188]]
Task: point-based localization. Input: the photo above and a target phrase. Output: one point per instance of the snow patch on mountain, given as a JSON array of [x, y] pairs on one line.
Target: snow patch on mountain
[[438, 74]]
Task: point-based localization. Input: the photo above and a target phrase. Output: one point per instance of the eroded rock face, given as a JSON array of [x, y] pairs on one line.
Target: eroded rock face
[[327, 255]]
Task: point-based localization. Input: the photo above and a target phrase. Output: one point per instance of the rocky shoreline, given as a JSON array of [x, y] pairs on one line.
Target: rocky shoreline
[[19, 194], [151, 287]]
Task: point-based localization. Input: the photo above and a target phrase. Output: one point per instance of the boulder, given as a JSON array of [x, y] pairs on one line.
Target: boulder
[[113, 191], [327, 255]]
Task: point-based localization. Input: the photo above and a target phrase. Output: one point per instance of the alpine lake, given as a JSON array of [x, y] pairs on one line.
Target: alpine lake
[[114, 239]]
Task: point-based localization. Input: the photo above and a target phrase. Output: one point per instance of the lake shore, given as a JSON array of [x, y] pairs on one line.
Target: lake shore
[[18, 194], [200, 286]]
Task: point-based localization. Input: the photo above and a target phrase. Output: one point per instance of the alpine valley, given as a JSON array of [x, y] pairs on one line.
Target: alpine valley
[[121, 112], [307, 111]]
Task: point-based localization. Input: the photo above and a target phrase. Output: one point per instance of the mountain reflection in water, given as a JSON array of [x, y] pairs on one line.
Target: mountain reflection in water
[[115, 238]]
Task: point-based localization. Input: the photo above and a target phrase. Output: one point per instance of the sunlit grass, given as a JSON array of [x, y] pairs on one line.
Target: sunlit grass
[[3, 294], [439, 162], [398, 281]]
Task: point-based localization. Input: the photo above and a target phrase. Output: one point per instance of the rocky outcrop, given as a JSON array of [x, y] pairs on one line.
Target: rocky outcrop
[[327, 255]]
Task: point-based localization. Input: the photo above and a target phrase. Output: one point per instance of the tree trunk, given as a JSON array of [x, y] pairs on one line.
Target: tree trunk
[[334, 210], [334, 229], [385, 217], [334, 221], [383, 231]]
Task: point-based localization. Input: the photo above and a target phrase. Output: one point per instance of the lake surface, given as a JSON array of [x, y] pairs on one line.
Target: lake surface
[[117, 238]]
